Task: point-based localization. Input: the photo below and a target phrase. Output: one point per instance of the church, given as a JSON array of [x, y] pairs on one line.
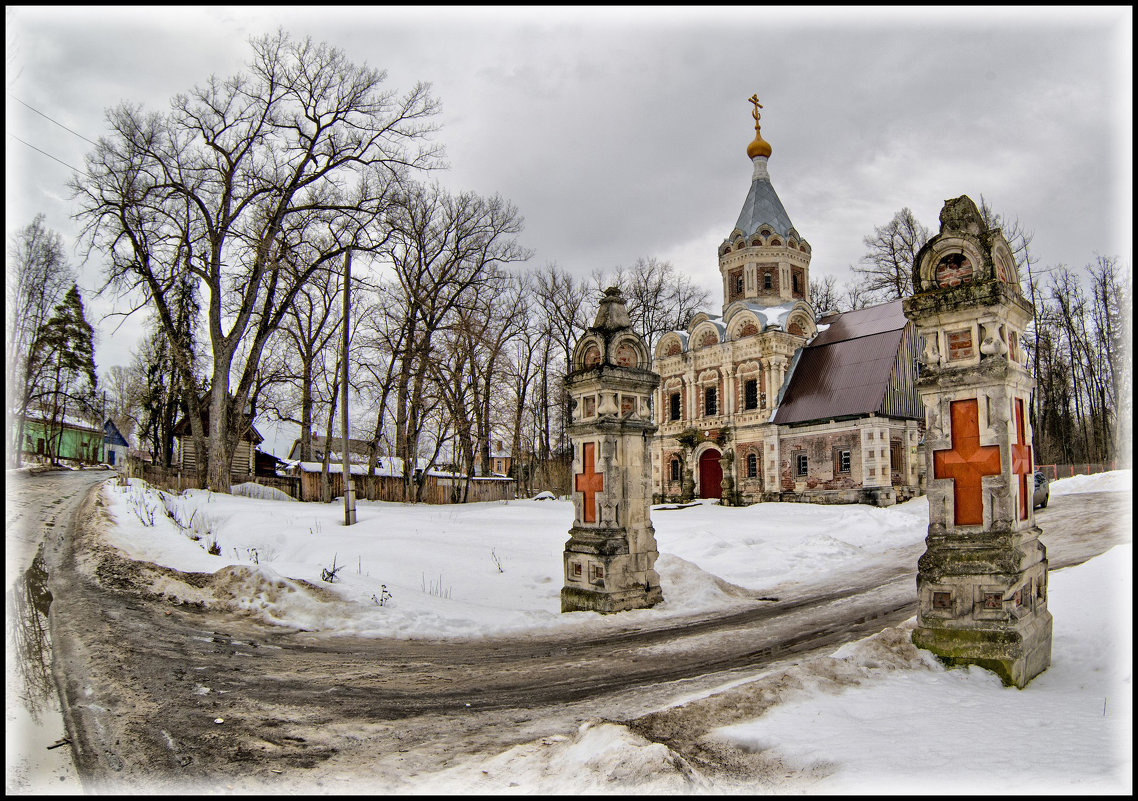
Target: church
[[768, 401]]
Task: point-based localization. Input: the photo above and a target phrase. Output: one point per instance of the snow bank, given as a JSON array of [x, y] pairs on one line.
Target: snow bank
[[260, 491], [903, 731], [599, 758], [1113, 481], [482, 569]]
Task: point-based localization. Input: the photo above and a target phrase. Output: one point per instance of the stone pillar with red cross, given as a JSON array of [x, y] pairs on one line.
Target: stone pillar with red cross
[[610, 558], [982, 581]]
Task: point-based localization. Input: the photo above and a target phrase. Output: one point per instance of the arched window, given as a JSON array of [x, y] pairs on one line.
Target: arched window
[[794, 282], [766, 280], [675, 469], [752, 466]]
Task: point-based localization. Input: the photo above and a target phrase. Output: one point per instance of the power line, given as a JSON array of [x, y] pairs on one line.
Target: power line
[[49, 119], [33, 147]]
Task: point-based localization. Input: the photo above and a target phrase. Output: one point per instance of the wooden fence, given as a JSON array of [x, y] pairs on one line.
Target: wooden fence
[[436, 489], [306, 486], [1056, 471]]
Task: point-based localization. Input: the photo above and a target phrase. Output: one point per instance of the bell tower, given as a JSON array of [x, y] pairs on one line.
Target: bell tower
[[764, 260]]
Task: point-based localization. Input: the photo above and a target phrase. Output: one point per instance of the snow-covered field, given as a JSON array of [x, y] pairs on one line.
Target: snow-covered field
[[899, 722]]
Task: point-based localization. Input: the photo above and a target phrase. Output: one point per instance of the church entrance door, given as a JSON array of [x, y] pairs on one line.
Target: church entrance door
[[710, 475]]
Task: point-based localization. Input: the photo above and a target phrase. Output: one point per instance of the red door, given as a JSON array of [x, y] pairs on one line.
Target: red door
[[710, 475]]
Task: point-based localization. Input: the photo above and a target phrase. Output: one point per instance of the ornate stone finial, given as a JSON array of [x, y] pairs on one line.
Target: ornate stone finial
[[612, 314], [759, 147], [961, 214]]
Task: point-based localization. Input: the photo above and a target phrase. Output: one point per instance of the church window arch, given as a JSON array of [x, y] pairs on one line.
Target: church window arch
[[756, 242], [766, 280], [752, 465], [795, 327], [776, 242], [675, 468], [794, 282]]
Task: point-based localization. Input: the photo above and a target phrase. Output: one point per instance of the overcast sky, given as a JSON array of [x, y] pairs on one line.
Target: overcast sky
[[623, 133]]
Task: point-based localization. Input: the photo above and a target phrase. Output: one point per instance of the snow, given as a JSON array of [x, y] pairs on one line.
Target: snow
[[440, 564], [1113, 481], [906, 731], [895, 721]]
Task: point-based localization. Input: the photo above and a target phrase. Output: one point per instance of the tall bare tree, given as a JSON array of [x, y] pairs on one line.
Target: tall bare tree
[[305, 148], [443, 250], [659, 298], [37, 278], [886, 271]]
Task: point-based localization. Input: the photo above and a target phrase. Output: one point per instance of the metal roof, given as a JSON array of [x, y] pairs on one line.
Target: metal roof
[[763, 206], [845, 370]]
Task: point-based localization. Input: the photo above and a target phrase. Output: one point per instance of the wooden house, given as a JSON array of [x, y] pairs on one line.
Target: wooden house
[[243, 463]]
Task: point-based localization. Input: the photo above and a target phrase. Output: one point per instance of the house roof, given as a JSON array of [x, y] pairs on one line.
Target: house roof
[[112, 435], [356, 446], [182, 427], [845, 370], [65, 421]]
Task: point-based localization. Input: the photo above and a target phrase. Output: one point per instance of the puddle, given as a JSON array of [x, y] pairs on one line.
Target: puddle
[[29, 604], [32, 710]]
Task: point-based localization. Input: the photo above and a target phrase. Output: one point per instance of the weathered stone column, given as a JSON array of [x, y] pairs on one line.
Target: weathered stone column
[[982, 581], [610, 558]]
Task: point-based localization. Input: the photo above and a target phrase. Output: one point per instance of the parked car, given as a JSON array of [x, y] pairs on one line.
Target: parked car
[[1042, 491]]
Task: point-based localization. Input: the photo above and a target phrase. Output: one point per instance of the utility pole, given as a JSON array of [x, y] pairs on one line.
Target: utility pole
[[349, 490]]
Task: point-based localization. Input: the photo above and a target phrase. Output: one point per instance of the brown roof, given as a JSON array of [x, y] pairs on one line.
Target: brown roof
[[845, 370]]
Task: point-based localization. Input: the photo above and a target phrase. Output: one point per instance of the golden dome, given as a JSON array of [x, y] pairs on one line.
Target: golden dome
[[760, 146]]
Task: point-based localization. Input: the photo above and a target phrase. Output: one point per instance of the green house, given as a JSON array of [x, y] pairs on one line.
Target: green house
[[68, 440]]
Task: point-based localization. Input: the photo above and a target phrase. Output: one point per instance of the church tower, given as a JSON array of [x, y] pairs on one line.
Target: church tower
[[764, 260]]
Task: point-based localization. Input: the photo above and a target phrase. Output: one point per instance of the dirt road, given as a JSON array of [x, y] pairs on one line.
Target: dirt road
[[168, 696]]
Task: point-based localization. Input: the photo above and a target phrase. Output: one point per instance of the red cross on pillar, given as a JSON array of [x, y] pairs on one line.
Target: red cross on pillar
[[1021, 460], [966, 463], [589, 482]]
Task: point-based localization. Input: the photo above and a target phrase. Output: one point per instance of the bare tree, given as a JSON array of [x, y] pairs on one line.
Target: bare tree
[[304, 148], [563, 302], [307, 328], [38, 277], [825, 295], [443, 249], [659, 298], [887, 268]]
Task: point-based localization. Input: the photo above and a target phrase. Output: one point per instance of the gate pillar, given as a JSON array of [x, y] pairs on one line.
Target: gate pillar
[[982, 581], [610, 558]]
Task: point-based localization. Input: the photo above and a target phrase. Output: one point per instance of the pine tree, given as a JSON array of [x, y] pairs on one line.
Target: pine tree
[[63, 357]]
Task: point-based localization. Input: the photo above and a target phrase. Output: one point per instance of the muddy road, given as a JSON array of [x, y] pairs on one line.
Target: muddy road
[[160, 694]]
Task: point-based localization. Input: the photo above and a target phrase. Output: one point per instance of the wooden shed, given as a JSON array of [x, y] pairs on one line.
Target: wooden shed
[[243, 463]]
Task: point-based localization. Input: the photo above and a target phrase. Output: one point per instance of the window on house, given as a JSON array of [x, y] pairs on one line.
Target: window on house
[[895, 455], [766, 280], [674, 405], [843, 461], [751, 393], [675, 469], [752, 466], [800, 459], [709, 405]]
